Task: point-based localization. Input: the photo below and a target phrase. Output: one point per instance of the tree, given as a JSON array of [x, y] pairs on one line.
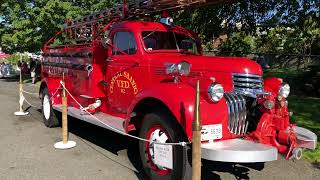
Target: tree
[[238, 44], [29, 24]]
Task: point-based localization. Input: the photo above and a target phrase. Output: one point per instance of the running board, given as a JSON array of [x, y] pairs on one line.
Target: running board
[[114, 122], [238, 150]]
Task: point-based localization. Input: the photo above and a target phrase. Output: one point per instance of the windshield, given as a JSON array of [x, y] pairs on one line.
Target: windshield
[[162, 40]]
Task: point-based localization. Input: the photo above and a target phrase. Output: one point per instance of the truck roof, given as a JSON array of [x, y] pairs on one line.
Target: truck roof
[[137, 25]]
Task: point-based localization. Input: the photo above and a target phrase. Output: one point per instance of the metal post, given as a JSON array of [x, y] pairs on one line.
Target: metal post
[[196, 138], [21, 97], [65, 143]]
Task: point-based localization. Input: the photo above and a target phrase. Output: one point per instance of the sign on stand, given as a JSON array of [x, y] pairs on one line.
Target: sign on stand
[[163, 155]]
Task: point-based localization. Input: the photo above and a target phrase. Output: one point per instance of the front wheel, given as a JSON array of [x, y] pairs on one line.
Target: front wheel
[[161, 127], [48, 115]]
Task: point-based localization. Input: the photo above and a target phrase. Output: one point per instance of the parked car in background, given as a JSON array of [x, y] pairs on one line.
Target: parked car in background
[[8, 71], [1, 70]]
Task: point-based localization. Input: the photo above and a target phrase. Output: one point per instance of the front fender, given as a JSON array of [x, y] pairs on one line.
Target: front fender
[[272, 85], [179, 99]]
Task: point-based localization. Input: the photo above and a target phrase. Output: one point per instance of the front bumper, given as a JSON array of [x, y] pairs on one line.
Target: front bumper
[[246, 151], [238, 150], [305, 138]]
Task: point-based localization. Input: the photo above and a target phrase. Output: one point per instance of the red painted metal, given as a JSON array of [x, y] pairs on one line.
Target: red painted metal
[[123, 81], [274, 127]]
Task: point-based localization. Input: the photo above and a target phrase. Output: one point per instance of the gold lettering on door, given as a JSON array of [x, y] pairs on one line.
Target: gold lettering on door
[[123, 84]]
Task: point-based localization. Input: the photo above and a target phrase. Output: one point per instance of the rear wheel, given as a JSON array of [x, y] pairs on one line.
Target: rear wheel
[[48, 115], [161, 127]]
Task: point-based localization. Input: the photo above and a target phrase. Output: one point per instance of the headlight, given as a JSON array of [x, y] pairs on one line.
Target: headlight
[[215, 92], [284, 90]]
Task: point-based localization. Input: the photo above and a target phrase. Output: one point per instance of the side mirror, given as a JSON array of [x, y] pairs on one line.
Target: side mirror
[[186, 44]]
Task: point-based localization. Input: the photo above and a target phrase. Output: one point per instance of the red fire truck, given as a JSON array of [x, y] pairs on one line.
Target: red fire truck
[[140, 76]]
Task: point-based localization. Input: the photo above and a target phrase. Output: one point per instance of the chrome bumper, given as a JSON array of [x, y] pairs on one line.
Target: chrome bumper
[[245, 151], [305, 138], [238, 150]]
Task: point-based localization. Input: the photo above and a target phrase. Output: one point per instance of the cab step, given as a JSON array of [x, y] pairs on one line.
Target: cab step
[[107, 121]]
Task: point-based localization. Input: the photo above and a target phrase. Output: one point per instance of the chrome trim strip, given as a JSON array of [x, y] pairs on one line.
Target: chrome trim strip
[[247, 80], [229, 111], [239, 119], [250, 90], [240, 114], [244, 115], [252, 85], [248, 84], [231, 114], [237, 113], [247, 75]]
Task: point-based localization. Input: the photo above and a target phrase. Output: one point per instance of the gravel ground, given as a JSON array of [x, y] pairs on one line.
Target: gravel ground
[[27, 150]]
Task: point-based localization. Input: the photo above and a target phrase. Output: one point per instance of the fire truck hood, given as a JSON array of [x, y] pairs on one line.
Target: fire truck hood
[[213, 63]]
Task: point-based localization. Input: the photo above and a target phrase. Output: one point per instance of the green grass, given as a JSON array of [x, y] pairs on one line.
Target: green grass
[[281, 73], [306, 113]]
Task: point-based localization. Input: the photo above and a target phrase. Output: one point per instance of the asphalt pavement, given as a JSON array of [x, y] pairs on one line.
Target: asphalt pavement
[[27, 152]]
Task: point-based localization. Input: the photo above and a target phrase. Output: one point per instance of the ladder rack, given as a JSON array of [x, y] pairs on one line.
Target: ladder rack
[[84, 30], [140, 7], [160, 5]]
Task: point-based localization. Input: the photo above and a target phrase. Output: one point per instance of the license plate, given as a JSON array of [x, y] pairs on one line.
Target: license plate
[[211, 132]]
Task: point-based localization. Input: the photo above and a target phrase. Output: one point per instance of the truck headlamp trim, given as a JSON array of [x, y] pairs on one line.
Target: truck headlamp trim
[[215, 92], [284, 90], [182, 68]]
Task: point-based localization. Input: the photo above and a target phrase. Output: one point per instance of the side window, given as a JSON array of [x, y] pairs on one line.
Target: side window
[[125, 42]]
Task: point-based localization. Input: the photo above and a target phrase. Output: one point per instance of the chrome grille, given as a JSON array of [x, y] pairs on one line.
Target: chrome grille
[[237, 122], [248, 84]]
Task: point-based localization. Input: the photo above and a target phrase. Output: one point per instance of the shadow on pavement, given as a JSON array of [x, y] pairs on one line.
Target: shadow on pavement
[[114, 143], [316, 165], [240, 171], [14, 79], [109, 141]]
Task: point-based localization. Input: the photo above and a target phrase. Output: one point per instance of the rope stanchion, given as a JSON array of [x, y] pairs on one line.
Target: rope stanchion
[[21, 112], [196, 138], [116, 130], [65, 143], [36, 94]]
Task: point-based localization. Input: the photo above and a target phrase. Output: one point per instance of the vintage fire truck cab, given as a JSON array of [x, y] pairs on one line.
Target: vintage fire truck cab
[[141, 76]]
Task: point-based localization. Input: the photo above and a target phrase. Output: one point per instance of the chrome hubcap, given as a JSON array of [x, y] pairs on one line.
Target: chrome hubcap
[[156, 136], [46, 107]]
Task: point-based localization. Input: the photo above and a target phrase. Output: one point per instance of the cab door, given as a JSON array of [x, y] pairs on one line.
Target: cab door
[[122, 71]]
